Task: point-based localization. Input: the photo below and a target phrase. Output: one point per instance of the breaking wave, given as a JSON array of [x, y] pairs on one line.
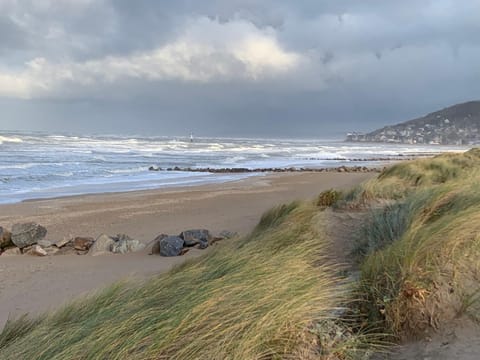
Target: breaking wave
[[46, 165]]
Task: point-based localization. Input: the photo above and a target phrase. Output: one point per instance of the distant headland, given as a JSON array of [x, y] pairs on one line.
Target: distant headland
[[455, 125]]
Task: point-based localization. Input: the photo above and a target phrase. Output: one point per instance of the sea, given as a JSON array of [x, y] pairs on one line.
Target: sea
[[39, 165]]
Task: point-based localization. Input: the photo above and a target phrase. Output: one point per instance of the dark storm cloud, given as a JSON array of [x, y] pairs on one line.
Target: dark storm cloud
[[234, 67]]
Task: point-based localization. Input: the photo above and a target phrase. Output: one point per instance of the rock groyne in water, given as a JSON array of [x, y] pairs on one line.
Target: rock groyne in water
[[264, 170]]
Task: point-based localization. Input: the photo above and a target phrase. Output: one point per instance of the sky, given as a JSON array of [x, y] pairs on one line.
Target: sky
[[270, 68]]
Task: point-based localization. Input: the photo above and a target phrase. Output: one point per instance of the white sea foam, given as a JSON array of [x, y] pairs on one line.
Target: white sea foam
[[10, 139], [17, 166], [33, 165]]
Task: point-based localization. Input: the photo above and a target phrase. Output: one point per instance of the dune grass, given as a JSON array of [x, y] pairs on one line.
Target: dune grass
[[422, 253], [270, 295], [397, 182], [382, 227]]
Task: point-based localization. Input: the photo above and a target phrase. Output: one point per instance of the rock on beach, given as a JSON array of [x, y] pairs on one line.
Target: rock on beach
[[124, 244], [5, 238], [83, 243], [27, 234], [12, 252], [195, 237], [171, 246], [102, 245]]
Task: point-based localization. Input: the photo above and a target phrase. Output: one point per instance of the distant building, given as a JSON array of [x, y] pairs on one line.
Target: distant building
[[456, 125]]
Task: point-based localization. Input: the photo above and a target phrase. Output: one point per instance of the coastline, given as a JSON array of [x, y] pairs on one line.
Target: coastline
[[220, 176], [33, 285], [42, 166]]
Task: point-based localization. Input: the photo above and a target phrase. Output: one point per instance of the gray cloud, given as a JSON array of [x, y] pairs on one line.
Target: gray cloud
[[234, 68], [12, 37]]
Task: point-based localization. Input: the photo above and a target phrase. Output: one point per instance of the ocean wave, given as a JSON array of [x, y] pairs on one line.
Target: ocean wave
[[10, 139], [65, 174], [323, 156], [234, 159], [40, 161], [18, 166], [128, 170]]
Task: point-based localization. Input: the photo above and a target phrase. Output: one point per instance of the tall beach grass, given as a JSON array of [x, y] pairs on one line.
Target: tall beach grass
[[269, 295], [422, 252]]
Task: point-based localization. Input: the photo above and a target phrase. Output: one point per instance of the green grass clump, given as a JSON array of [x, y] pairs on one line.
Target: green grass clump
[[275, 216], [382, 227], [14, 329], [259, 297]]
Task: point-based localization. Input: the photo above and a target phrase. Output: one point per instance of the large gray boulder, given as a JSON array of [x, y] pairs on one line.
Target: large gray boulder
[[124, 244], [171, 246], [27, 234], [102, 245], [5, 238], [194, 237], [156, 244]]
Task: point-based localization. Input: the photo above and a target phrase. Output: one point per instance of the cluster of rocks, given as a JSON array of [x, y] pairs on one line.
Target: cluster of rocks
[[275, 170], [26, 238], [29, 238], [175, 245]]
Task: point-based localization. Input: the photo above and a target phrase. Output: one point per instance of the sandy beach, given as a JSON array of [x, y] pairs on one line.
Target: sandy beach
[[30, 284]]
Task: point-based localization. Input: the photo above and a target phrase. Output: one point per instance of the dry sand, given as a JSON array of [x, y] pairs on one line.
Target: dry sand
[[31, 285], [459, 340]]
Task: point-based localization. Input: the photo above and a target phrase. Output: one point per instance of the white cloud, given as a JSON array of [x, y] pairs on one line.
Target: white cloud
[[205, 51], [261, 54], [13, 86]]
